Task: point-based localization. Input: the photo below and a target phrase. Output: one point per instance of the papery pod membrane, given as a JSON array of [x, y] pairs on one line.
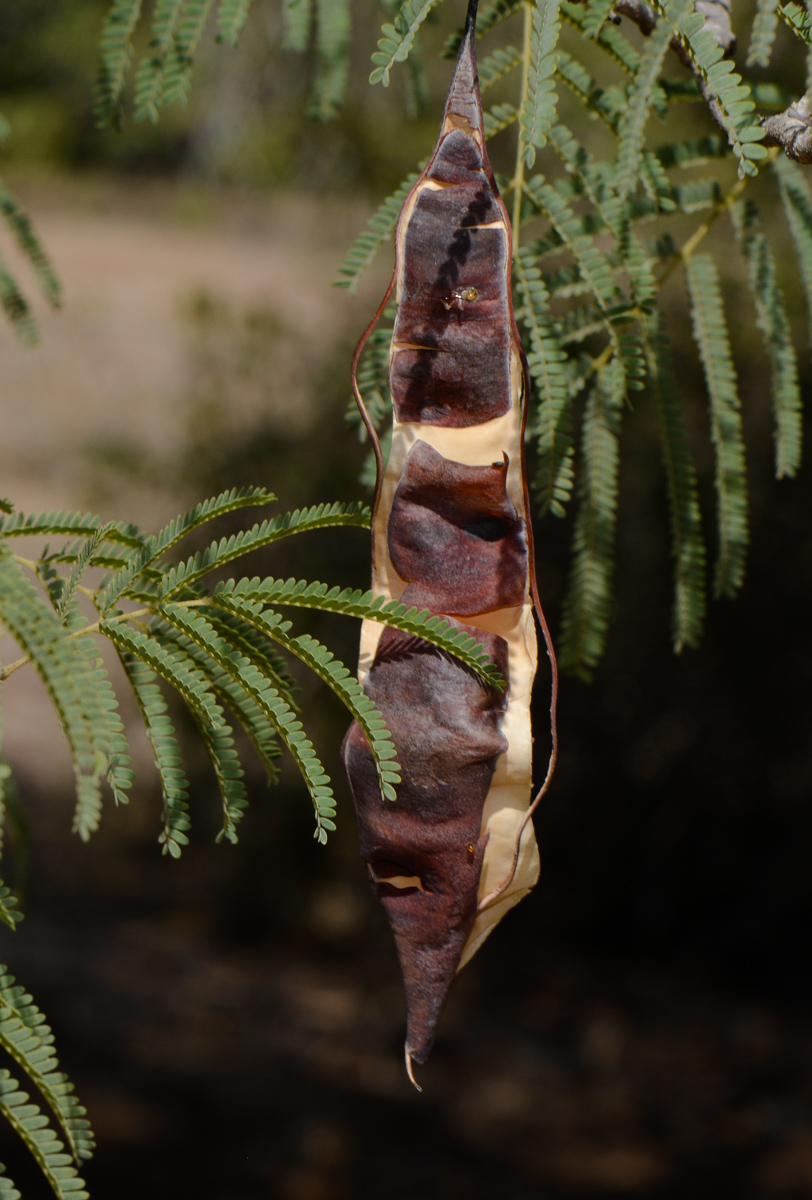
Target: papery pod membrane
[[451, 534]]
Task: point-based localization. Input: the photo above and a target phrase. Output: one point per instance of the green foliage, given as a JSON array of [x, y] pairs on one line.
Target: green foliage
[[231, 19], [115, 55], [12, 299], [215, 649], [332, 58], [398, 39], [547, 364], [589, 596], [586, 283], [687, 544], [797, 18], [773, 322], [27, 1039], [710, 332], [762, 35], [538, 108]]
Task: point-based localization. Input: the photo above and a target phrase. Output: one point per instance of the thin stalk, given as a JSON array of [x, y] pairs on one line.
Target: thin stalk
[[702, 230], [94, 628], [517, 183]]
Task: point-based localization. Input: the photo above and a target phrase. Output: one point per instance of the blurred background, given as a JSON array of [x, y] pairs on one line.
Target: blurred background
[[640, 1026]]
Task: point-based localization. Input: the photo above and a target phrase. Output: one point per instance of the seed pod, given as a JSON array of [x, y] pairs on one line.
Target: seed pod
[[451, 534]]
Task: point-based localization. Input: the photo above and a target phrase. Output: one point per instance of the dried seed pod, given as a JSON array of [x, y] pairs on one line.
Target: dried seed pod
[[451, 534]]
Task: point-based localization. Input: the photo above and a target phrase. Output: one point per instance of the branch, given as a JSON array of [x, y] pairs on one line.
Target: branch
[[791, 130], [717, 20]]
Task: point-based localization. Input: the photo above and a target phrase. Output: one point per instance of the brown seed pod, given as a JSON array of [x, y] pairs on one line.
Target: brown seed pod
[[451, 534]]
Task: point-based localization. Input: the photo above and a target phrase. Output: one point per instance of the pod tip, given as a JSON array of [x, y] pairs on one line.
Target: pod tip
[[409, 1070]]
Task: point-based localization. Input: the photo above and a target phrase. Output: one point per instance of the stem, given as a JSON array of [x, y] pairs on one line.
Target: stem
[[518, 178], [94, 628], [701, 232]]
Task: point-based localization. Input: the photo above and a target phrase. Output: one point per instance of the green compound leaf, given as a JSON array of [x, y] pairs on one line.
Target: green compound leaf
[[298, 18], [546, 361], [762, 34], [26, 1037], [115, 54], [538, 109], [588, 602], [149, 78], [380, 227], [155, 547], [28, 1121], [687, 543], [710, 333], [632, 126], [771, 315], [231, 18], [332, 58], [319, 516], [162, 736], [440, 631], [69, 676], [198, 629], [398, 39]]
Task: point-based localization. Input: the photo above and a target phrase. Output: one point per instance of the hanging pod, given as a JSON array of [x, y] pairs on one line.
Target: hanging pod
[[451, 534]]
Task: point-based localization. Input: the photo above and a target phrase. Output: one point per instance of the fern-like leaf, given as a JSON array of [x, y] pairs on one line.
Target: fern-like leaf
[[32, 1127], [592, 262], [9, 911], [232, 694], [332, 58], [172, 666], [319, 516], [83, 560], [597, 12], [734, 98], [710, 333], [149, 78], [219, 742], [298, 18], [798, 19], [398, 39], [231, 18], [177, 70], [687, 544], [27, 1038], [19, 224], [797, 206], [354, 603], [155, 547], [589, 595], [16, 308], [497, 65], [318, 659], [115, 53], [380, 227], [771, 315], [546, 362], [538, 109], [633, 123], [7, 1189], [162, 736], [52, 524], [762, 34], [198, 629], [497, 118], [67, 673]]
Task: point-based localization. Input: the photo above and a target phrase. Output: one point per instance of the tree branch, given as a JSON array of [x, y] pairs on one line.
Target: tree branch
[[791, 129]]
